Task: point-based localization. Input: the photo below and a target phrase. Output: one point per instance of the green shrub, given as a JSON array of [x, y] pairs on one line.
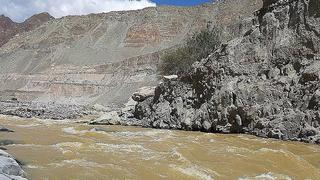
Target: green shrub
[[197, 47]]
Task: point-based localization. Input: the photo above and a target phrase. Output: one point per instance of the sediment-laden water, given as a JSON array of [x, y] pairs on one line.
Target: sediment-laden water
[[58, 150]]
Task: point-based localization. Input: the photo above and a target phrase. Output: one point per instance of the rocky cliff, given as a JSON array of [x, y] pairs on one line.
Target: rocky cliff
[[10, 169], [265, 83], [104, 58]]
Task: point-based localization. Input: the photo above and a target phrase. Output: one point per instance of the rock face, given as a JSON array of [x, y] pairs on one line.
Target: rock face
[[104, 58], [9, 29], [265, 82], [110, 118], [9, 168], [143, 93]]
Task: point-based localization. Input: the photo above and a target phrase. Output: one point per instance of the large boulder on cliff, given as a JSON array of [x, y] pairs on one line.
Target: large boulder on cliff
[[143, 93]]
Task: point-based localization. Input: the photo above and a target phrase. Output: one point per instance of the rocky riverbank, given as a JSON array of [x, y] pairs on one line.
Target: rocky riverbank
[[10, 169], [265, 83], [44, 110]]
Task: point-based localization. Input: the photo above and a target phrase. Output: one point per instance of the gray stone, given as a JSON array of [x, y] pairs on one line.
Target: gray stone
[[109, 118], [9, 167], [143, 93], [3, 129], [170, 78]]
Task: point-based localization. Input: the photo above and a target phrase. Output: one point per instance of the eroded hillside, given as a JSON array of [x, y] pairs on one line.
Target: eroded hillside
[[104, 58]]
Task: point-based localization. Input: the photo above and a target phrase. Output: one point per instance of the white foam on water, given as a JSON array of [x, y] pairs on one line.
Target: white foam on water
[[94, 130], [233, 149], [271, 150], [154, 134], [30, 166], [300, 160], [29, 125], [194, 171], [177, 155], [78, 162], [190, 168], [69, 144], [314, 148], [67, 147], [27, 145], [73, 131], [127, 149], [130, 148], [261, 140], [267, 176]]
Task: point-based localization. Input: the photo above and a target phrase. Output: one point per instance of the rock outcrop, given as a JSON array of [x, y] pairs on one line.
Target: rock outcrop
[[9, 168], [264, 83], [143, 93], [104, 58]]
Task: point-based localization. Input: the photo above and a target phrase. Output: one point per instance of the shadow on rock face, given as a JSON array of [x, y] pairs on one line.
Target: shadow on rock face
[[314, 8]]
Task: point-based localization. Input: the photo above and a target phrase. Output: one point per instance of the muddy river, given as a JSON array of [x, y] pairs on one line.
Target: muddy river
[[63, 150]]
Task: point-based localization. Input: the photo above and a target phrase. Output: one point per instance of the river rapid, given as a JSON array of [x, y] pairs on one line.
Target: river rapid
[[64, 150]]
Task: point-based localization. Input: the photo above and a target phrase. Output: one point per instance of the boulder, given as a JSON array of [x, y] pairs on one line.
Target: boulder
[[109, 118], [143, 93], [9, 167], [128, 110], [3, 129], [171, 77], [99, 107]]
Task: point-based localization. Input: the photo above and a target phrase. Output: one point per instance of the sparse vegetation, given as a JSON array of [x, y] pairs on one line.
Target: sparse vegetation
[[314, 8], [197, 47]]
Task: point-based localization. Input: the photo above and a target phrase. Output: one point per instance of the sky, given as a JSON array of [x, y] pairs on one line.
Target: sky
[[180, 2], [19, 10]]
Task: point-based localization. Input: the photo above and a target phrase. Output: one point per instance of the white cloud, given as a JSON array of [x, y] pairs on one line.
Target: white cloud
[[19, 10]]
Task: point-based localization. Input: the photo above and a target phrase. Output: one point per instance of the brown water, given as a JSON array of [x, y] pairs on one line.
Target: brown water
[[64, 151]]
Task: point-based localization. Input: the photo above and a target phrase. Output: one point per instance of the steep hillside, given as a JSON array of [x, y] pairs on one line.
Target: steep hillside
[[9, 29], [104, 58], [265, 82]]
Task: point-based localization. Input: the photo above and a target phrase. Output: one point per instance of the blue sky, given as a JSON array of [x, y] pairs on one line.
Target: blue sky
[[180, 2], [19, 10]]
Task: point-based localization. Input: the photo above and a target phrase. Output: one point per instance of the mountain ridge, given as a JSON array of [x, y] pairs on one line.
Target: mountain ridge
[[9, 28]]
